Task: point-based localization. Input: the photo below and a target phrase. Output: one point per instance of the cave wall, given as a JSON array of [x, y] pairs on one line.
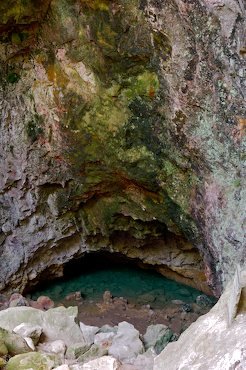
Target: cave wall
[[122, 128]]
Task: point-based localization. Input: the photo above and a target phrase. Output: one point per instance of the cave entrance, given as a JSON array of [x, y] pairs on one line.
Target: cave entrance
[[139, 295], [97, 272]]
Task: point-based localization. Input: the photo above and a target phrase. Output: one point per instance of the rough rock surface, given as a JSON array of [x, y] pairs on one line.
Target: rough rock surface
[[209, 343], [57, 323], [121, 130], [126, 344]]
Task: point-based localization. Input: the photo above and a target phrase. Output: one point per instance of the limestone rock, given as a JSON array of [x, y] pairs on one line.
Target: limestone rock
[[3, 348], [62, 367], [157, 336], [57, 323], [76, 350], [209, 343], [34, 361], [58, 347], [88, 332], [146, 360], [29, 330], [94, 352], [13, 342], [3, 362], [104, 339], [102, 363], [126, 343]]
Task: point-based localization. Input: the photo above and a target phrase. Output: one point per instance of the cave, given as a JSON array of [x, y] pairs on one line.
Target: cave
[[119, 274]]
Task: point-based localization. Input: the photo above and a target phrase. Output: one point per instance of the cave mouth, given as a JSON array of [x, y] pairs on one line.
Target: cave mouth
[[97, 272]]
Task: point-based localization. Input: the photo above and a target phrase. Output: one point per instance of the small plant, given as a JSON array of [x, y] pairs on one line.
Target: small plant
[[13, 77], [33, 127]]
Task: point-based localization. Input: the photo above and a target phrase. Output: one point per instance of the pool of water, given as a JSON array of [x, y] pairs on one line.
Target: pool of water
[[137, 285]]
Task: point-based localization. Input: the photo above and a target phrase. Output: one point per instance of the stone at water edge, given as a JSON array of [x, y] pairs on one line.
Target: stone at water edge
[[157, 336], [126, 344], [28, 330], [88, 332], [45, 302], [107, 297], [209, 343], [32, 360]]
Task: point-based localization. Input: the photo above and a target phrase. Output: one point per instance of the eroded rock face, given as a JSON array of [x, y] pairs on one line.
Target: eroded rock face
[[121, 129]]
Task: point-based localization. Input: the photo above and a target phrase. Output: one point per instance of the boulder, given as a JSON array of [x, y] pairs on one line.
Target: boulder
[[145, 361], [157, 336], [45, 302], [93, 353], [62, 367], [3, 362], [57, 323], [34, 361], [104, 339], [210, 342], [102, 363], [76, 350], [58, 347], [3, 348], [29, 330], [126, 344], [14, 343], [88, 332]]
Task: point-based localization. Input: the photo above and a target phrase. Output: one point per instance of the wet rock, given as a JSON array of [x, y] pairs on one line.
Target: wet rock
[[146, 299], [107, 297], [74, 296], [29, 330], [88, 332], [17, 299], [186, 307], [204, 301], [157, 337], [45, 302], [126, 344], [34, 360]]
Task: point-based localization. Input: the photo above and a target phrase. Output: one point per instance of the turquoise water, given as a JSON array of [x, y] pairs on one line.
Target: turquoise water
[[134, 284]]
